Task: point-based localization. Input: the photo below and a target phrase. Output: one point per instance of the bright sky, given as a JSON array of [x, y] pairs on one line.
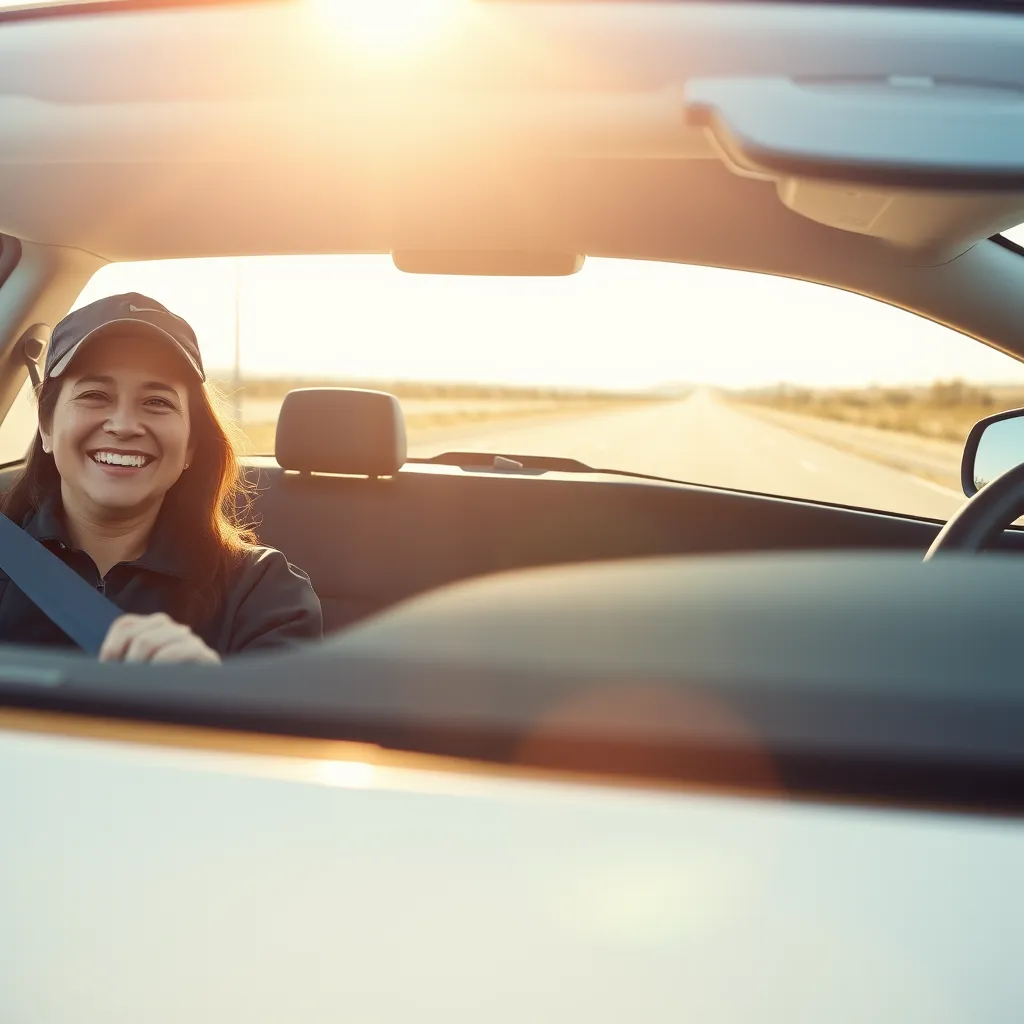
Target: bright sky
[[615, 324]]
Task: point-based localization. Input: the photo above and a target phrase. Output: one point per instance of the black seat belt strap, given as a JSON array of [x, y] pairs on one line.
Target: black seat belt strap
[[55, 588]]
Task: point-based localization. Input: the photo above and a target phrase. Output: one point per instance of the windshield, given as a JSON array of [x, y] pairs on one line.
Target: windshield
[[693, 373]]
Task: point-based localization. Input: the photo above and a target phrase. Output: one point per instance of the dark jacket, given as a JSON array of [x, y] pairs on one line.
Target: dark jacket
[[267, 603]]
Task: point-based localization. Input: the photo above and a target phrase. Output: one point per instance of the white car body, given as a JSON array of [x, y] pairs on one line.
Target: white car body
[[169, 876]]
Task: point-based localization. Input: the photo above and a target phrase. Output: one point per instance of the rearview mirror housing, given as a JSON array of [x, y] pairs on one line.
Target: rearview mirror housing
[[994, 445], [487, 263]]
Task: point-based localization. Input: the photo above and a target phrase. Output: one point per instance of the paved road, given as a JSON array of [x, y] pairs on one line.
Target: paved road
[[704, 440], [933, 458], [261, 410]]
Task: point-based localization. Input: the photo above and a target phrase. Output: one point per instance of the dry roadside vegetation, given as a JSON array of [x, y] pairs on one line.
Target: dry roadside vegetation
[[278, 387], [945, 409], [437, 405]]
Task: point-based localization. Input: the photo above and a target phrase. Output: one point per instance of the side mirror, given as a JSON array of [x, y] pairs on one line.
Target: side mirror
[[994, 445]]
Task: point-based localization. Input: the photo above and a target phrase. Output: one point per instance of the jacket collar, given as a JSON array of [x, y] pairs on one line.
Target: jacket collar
[[164, 555], [46, 524]]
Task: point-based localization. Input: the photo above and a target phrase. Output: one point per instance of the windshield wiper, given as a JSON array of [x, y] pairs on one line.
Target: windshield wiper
[[530, 465]]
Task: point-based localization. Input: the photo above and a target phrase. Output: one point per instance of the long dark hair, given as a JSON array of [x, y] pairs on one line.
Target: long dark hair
[[211, 498]]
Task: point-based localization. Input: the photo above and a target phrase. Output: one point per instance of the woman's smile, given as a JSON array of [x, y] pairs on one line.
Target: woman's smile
[[121, 462]]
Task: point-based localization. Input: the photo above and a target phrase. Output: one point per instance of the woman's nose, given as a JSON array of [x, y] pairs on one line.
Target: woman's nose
[[124, 420]]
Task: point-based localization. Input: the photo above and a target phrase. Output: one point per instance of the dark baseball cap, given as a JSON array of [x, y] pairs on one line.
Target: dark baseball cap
[[131, 311]]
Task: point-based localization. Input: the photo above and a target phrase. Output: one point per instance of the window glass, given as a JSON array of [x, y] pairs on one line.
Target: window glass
[[693, 373], [19, 426]]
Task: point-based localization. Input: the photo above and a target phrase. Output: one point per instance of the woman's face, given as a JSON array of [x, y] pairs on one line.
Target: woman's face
[[120, 429]]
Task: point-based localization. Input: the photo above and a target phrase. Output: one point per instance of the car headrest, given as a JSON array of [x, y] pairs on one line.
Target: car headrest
[[341, 430]]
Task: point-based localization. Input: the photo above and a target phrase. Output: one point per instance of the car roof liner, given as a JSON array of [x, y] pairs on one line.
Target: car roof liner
[[454, 146]]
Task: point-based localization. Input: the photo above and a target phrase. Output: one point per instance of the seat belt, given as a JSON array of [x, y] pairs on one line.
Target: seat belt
[[55, 588]]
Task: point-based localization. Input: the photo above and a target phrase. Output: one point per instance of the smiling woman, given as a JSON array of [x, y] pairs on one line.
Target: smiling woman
[[133, 482], [122, 439]]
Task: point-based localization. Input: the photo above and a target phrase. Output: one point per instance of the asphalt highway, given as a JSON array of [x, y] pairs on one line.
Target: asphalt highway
[[704, 439]]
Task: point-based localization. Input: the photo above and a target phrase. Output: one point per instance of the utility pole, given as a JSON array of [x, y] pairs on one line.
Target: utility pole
[[236, 378]]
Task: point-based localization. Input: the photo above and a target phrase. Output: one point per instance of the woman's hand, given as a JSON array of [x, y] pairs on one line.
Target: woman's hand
[[154, 638]]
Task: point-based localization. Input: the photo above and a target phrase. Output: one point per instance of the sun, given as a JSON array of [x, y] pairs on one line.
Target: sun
[[388, 26]]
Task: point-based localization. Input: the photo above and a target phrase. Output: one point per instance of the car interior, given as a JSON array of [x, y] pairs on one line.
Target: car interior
[[376, 530], [663, 133], [580, 743]]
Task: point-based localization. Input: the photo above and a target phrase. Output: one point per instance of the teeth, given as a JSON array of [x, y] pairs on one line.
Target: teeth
[[117, 459]]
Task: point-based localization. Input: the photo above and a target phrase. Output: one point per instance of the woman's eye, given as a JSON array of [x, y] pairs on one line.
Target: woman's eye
[[160, 402], [92, 396]]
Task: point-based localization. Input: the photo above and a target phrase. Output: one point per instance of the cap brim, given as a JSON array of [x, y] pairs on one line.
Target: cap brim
[[157, 332]]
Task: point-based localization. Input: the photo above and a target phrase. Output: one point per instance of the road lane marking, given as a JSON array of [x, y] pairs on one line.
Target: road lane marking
[[932, 486]]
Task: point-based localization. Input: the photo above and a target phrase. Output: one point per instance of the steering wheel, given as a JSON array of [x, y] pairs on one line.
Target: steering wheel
[[979, 521]]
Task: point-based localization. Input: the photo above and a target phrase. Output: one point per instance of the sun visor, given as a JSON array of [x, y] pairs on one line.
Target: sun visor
[[930, 166]]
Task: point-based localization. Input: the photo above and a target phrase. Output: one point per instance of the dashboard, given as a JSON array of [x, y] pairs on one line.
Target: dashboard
[[866, 677]]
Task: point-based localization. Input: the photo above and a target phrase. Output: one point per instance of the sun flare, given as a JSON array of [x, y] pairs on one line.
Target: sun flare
[[346, 774], [388, 26]]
